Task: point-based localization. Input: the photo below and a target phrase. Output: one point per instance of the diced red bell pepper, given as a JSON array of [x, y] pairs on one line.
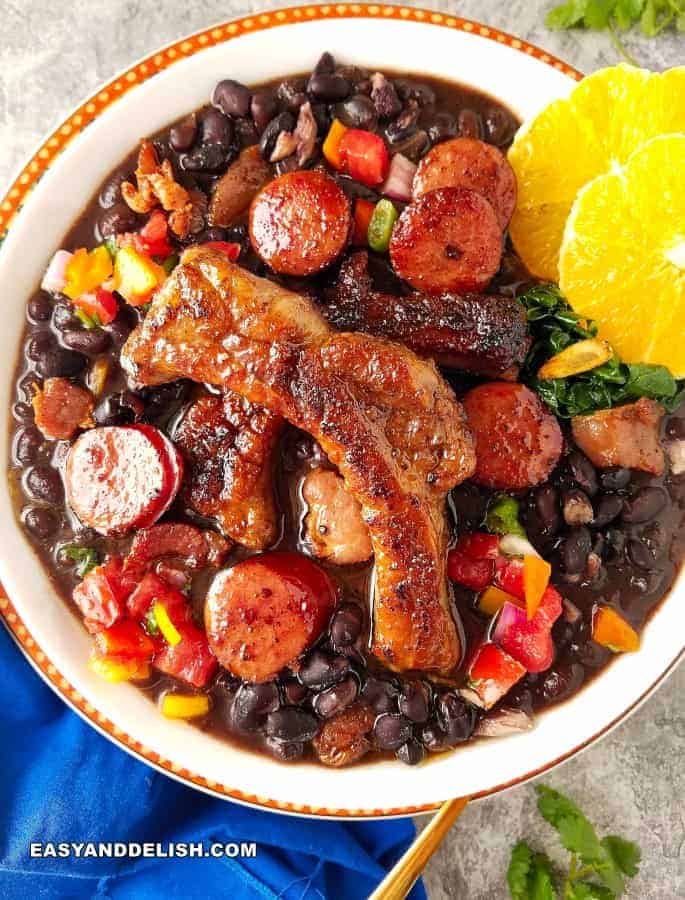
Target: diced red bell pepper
[[231, 250], [479, 545], [364, 156], [528, 641], [101, 596], [101, 304], [492, 674], [476, 574], [125, 640], [363, 211], [154, 236], [509, 576], [191, 660], [153, 588]]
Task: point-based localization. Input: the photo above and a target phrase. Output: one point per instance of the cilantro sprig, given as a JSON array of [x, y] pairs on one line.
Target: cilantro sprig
[[554, 326], [598, 868], [85, 558]]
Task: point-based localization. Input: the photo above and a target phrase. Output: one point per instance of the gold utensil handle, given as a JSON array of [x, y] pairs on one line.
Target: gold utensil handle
[[400, 879]]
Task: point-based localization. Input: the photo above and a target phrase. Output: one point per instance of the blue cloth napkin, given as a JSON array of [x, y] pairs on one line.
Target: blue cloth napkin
[[60, 780]]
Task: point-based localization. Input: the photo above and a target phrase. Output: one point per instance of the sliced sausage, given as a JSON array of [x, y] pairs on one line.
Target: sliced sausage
[[518, 440], [626, 436], [300, 222], [264, 612], [194, 546], [334, 527], [121, 478], [447, 240], [61, 408], [469, 163], [235, 190]]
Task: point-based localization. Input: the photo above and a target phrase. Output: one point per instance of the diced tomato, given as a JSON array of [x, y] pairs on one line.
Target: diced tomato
[[364, 156], [191, 660], [126, 640], [101, 596], [101, 304], [363, 210], [153, 588], [479, 545], [231, 250], [492, 674], [476, 574], [550, 606], [154, 236], [528, 641], [509, 576]]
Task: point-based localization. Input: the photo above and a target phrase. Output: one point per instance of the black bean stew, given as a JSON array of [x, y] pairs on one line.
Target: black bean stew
[[614, 535]]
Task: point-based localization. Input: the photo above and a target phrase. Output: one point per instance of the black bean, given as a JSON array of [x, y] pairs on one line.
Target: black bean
[[346, 624], [290, 724], [38, 344], [263, 107], [381, 693], [57, 362], [28, 385], [119, 409], [252, 703], [165, 396], [86, 340], [205, 158], [320, 670], [414, 701], [40, 522], [647, 503], [44, 483], [433, 738], [577, 508], [63, 316], [411, 753], [443, 126], [675, 428], [583, 472], [639, 554], [616, 543], [575, 549], [325, 65], [216, 128], [232, 98], [391, 731], [110, 193], [28, 442], [213, 234], [470, 124], [363, 87], [284, 121], [284, 752], [22, 412], [414, 146], [182, 135], [614, 479], [546, 504], [499, 126], [39, 307], [456, 718], [328, 87], [561, 681], [657, 538], [599, 545], [357, 112], [607, 509], [322, 118], [294, 693], [404, 125], [336, 698], [415, 90], [123, 325], [291, 93], [116, 220]]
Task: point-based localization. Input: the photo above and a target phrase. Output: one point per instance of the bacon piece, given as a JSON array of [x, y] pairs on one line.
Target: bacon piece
[[157, 186], [61, 408], [485, 334], [334, 527], [383, 416], [345, 738], [626, 436], [229, 444]]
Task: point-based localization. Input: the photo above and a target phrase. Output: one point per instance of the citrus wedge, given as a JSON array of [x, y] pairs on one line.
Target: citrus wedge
[[623, 255], [595, 129]]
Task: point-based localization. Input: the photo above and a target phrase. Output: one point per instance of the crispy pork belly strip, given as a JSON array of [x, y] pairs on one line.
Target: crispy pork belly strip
[[385, 418], [229, 444], [485, 334]]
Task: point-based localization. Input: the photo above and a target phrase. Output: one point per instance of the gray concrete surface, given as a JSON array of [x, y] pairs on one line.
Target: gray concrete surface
[[55, 52]]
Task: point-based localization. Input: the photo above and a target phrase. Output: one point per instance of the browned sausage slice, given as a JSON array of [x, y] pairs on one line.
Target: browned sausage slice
[[234, 191], [122, 477], [300, 222], [264, 612], [447, 240], [469, 163]]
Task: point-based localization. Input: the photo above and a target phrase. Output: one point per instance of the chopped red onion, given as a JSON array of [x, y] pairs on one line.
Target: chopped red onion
[[503, 722], [55, 274], [511, 616], [398, 184]]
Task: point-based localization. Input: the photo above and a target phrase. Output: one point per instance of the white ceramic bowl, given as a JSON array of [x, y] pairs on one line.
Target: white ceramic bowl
[[135, 104]]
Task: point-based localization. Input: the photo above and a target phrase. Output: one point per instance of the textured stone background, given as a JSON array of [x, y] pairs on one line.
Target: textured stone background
[[54, 53]]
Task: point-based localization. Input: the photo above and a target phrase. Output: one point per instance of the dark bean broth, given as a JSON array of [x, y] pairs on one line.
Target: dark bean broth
[[632, 578]]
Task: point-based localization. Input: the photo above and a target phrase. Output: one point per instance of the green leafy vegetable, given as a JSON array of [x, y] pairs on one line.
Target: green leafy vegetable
[[653, 16], [597, 870], [554, 326], [151, 625], [86, 558], [503, 516]]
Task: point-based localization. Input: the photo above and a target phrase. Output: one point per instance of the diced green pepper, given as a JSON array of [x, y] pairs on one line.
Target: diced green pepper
[[86, 320], [111, 246], [381, 226], [503, 516], [170, 263]]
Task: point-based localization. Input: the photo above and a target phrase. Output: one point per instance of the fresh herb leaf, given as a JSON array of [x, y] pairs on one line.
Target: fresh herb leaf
[[86, 558], [566, 15], [502, 516], [530, 874], [653, 16], [587, 890], [625, 854], [151, 625]]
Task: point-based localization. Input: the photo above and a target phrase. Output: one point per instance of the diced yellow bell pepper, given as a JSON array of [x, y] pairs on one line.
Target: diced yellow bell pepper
[[331, 146], [86, 271], [611, 630], [579, 357], [136, 277], [165, 625], [184, 706], [492, 599], [116, 670], [536, 575]]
